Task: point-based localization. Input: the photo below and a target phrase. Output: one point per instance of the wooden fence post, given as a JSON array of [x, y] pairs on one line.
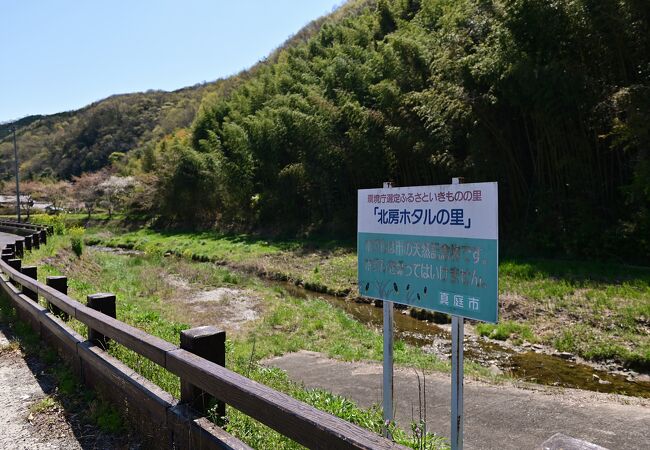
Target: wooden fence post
[[59, 283], [208, 343], [20, 248], [15, 263], [31, 272], [28, 243], [35, 241], [7, 254], [43, 236], [104, 303]]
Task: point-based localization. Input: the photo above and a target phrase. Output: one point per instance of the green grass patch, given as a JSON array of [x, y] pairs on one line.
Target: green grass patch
[[76, 240], [544, 279], [583, 340], [323, 266], [43, 405], [506, 330]]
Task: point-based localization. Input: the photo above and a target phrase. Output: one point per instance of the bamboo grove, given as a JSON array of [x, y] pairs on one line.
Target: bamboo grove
[[550, 98]]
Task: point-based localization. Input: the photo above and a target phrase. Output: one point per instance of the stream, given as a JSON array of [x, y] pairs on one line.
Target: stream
[[523, 362]]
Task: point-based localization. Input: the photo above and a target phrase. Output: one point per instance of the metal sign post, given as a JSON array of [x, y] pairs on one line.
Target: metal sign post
[[457, 335], [388, 364], [388, 358]]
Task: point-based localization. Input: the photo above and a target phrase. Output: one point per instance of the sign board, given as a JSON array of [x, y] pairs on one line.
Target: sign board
[[432, 247]]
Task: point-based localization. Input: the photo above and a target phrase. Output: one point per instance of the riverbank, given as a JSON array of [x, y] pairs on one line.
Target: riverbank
[[200, 293], [597, 311]]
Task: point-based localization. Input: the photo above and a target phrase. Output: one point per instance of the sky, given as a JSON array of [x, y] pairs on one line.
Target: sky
[[62, 55]]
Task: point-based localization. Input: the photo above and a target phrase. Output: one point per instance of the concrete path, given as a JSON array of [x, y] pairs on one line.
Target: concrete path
[[24, 424], [496, 417], [6, 238]]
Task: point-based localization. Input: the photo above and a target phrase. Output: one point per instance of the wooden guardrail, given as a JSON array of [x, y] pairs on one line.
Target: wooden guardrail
[[33, 234], [290, 417]]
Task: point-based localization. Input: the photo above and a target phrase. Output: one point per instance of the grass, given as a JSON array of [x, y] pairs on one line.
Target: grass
[[46, 404], [597, 310], [322, 266], [506, 330], [289, 324]]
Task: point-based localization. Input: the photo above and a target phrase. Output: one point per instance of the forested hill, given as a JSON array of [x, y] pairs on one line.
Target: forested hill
[[70, 143], [73, 142], [549, 98]]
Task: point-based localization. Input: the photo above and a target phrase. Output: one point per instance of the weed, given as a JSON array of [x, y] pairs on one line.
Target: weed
[[43, 405], [106, 417], [76, 240], [230, 278], [57, 222], [506, 330], [11, 347]]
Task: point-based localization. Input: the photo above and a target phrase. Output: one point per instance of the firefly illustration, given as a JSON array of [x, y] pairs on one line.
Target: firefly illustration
[[425, 289], [408, 287], [367, 286], [395, 287], [418, 296]]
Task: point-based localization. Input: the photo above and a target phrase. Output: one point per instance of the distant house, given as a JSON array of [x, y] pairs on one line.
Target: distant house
[[7, 201]]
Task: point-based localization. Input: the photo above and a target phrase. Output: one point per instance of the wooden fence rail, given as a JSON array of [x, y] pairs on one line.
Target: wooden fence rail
[[292, 418]]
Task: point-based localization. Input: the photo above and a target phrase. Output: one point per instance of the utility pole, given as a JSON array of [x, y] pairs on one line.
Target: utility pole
[[16, 171]]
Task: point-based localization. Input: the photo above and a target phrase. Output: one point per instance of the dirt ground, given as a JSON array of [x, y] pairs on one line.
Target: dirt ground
[[228, 308]]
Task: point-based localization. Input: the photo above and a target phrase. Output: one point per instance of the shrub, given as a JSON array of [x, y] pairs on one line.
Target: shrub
[[57, 222], [76, 240]]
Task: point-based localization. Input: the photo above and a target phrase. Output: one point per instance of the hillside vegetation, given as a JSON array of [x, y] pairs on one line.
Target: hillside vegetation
[[551, 99], [70, 143], [67, 144]]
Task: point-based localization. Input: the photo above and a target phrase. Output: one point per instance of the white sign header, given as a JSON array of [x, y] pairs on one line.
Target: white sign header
[[451, 210]]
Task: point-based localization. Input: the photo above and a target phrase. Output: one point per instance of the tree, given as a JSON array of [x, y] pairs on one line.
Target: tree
[[188, 185], [114, 191], [27, 203], [142, 198], [58, 193], [87, 189]]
